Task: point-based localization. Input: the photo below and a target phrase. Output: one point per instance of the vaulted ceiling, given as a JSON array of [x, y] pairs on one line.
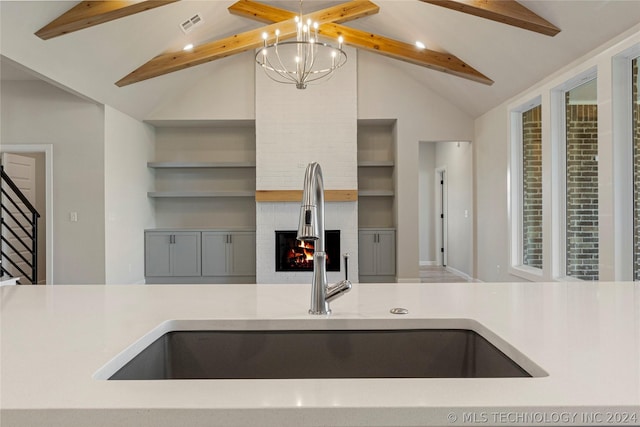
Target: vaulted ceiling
[[133, 59]]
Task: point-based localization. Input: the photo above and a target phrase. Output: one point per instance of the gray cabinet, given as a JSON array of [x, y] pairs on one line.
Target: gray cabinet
[[200, 256], [228, 253], [172, 254], [377, 255]]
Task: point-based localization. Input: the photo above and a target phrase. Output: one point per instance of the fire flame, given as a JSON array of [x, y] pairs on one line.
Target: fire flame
[[307, 249]]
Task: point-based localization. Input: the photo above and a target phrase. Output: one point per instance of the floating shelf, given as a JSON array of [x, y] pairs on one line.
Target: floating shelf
[[376, 193], [186, 165], [211, 194], [296, 195], [375, 163]]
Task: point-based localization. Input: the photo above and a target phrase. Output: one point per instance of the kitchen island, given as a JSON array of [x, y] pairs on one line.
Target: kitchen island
[[584, 339]]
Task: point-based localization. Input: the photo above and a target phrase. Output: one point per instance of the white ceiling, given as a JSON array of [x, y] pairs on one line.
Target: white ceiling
[[90, 61]]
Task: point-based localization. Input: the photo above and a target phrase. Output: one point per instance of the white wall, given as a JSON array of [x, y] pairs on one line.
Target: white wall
[[491, 156], [427, 194], [226, 94], [35, 112], [128, 146], [385, 91]]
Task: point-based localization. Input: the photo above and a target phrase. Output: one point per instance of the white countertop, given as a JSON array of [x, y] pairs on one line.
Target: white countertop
[[586, 336]]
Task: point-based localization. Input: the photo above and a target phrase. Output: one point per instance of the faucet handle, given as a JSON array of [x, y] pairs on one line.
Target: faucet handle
[[346, 265], [334, 291]]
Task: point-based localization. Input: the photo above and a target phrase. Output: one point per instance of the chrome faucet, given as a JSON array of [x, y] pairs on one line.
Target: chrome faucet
[[311, 228]]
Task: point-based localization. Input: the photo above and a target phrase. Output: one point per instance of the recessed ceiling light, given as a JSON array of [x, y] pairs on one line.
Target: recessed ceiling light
[[420, 45], [188, 47]]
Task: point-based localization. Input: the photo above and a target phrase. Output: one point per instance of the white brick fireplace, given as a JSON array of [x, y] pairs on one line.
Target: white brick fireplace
[[295, 127]]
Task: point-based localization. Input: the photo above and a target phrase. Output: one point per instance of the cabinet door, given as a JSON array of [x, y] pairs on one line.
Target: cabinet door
[[366, 253], [186, 254], [157, 254], [242, 253], [214, 253], [386, 253]]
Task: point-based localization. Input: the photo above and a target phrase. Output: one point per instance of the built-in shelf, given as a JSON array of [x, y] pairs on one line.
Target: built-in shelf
[[186, 165], [376, 173], [207, 194], [375, 193], [204, 174], [372, 164]]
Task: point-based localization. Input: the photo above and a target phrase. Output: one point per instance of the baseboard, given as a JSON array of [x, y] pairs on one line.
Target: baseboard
[[460, 273]]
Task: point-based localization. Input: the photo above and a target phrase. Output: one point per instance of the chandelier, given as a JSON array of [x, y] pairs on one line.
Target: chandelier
[[302, 61]]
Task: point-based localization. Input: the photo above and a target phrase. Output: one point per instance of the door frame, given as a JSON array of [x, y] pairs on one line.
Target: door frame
[[441, 209], [47, 149]]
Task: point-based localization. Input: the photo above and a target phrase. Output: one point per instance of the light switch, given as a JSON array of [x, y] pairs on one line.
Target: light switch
[[73, 216]]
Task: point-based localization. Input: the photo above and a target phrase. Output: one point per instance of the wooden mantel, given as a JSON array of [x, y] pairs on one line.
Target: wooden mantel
[[296, 195]]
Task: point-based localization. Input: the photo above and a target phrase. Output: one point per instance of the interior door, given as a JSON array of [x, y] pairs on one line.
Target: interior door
[[22, 171]]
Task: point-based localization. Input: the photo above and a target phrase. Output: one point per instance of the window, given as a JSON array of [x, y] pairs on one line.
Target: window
[[526, 183], [532, 187], [581, 185]]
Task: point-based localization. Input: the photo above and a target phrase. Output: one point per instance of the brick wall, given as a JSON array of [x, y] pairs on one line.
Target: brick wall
[[636, 174], [582, 191], [532, 187], [295, 127]]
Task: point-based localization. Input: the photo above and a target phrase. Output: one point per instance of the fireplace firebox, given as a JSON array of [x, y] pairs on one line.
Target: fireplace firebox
[[295, 255]]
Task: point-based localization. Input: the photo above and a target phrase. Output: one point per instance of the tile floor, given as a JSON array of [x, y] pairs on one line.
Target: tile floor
[[436, 274]]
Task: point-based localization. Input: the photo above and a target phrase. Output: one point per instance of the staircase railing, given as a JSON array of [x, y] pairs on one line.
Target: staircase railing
[[27, 220]]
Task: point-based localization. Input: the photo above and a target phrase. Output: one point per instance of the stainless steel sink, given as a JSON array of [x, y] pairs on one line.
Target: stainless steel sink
[[308, 353]]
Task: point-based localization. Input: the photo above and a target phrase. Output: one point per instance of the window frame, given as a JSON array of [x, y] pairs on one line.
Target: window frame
[[559, 165], [623, 150], [516, 193]]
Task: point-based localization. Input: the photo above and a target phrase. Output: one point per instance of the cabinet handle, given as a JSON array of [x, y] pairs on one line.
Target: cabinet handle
[[230, 239]]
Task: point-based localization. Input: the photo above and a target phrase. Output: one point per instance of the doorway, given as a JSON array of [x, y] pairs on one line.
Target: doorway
[[45, 242], [446, 206]]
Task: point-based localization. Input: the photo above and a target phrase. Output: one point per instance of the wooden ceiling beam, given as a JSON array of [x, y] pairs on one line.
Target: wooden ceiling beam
[[174, 61], [508, 12], [439, 61], [269, 15], [89, 13]]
